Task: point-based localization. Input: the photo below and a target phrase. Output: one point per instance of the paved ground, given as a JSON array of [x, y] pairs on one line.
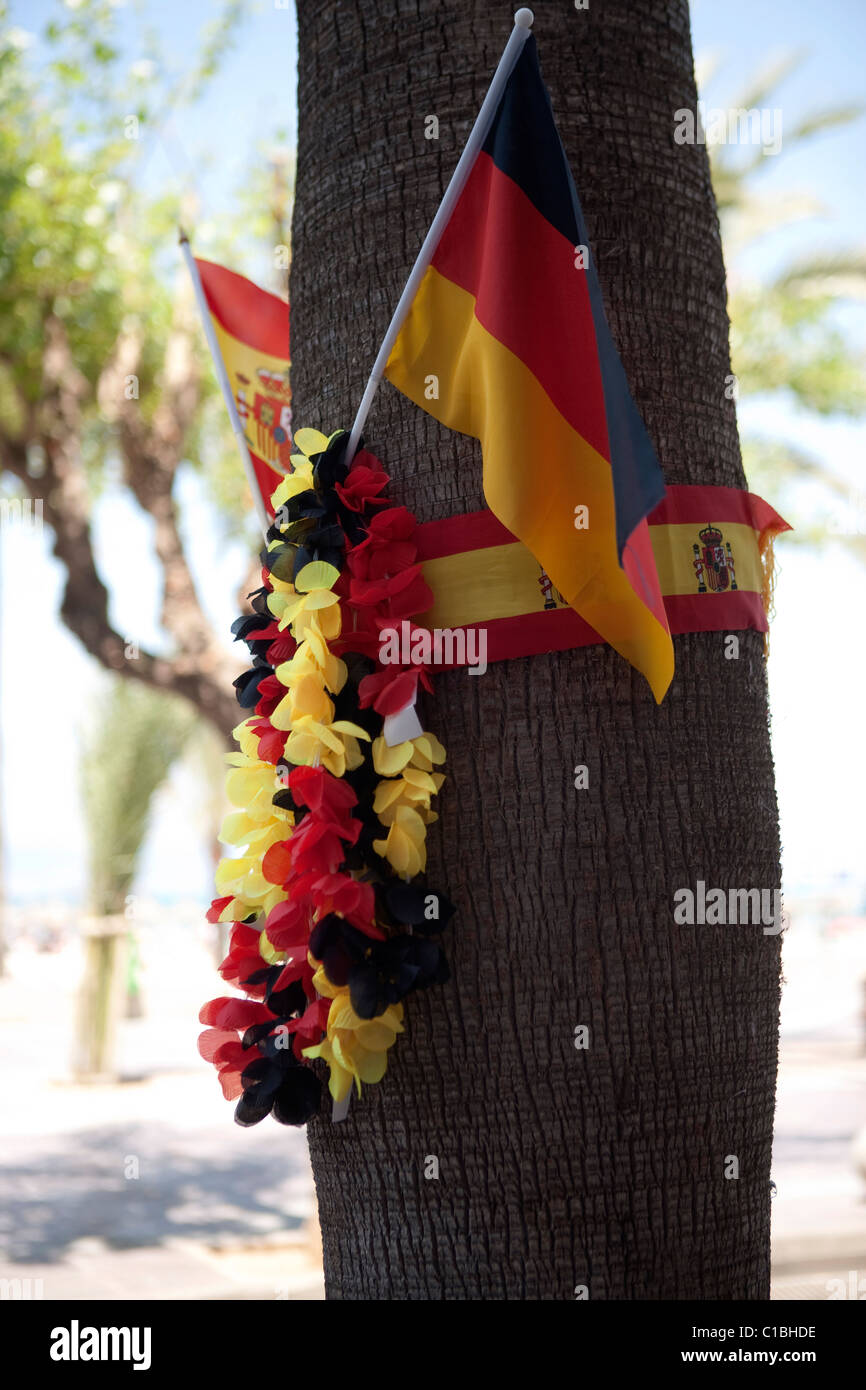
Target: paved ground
[[146, 1189], [143, 1189], [819, 1211]]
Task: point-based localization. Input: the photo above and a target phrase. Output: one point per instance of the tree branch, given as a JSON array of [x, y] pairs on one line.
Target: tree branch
[[201, 672]]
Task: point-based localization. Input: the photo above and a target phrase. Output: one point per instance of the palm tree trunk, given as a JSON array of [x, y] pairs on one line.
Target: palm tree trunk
[[559, 1167]]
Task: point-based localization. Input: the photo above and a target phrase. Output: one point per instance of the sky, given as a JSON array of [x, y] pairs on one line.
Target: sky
[[817, 662]]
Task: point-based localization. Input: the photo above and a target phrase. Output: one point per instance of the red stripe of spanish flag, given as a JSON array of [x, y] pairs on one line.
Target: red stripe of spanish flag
[[249, 313], [252, 329]]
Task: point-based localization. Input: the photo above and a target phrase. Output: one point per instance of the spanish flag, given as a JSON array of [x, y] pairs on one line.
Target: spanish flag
[[252, 330], [507, 340]]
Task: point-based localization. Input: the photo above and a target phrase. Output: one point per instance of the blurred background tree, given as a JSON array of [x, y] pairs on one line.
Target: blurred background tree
[[104, 375], [102, 365], [136, 736]]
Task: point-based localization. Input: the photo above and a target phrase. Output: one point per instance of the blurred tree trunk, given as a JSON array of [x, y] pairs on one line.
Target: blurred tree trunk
[[558, 1167], [135, 739], [100, 997]]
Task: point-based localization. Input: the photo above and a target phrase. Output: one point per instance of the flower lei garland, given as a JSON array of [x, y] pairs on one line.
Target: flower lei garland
[[332, 925]]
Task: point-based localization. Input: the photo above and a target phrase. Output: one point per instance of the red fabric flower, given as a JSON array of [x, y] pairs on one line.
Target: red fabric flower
[[392, 688], [297, 967], [315, 843], [282, 649], [388, 548], [271, 633], [277, 862], [217, 907], [272, 742], [288, 923], [243, 960], [404, 593], [318, 789], [271, 692], [223, 1049], [239, 1014], [312, 1022], [361, 636], [395, 524], [365, 480], [351, 899]]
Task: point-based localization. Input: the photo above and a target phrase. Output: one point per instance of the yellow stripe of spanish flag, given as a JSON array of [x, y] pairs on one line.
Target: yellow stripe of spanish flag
[[244, 361], [502, 581], [486, 391]]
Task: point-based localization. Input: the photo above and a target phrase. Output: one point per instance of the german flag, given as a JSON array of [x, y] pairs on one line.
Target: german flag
[[252, 329], [507, 340]]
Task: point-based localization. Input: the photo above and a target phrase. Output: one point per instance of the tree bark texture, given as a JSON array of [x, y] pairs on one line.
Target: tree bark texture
[[558, 1167]]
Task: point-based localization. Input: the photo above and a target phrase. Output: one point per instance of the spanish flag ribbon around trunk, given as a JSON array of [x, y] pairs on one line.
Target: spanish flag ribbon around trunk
[[252, 331], [507, 340], [713, 548]]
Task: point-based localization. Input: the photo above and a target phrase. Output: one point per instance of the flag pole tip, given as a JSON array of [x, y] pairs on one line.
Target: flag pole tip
[[524, 19]]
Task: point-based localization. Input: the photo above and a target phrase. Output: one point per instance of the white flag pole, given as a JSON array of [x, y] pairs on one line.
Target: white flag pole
[[405, 724], [523, 20], [223, 379]]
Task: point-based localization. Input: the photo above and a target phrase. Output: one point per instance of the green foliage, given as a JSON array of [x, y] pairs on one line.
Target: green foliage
[[783, 342], [81, 241], [67, 204], [137, 735], [786, 338]]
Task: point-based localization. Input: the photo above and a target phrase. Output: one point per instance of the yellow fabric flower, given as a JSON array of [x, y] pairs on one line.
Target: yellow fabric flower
[[313, 659], [251, 785], [250, 901], [313, 602], [413, 788], [242, 878], [354, 1048], [311, 441], [281, 595], [308, 442], [245, 737], [335, 745], [306, 697], [427, 750], [269, 952], [405, 848], [421, 752], [321, 984], [239, 830], [300, 480]]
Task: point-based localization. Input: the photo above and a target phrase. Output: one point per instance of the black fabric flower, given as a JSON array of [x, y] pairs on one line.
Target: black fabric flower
[[339, 946], [247, 685], [278, 1084], [414, 905], [378, 973], [393, 969], [249, 625]]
